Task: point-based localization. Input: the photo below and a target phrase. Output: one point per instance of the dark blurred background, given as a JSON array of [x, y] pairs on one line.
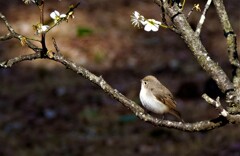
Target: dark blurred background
[[46, 109]]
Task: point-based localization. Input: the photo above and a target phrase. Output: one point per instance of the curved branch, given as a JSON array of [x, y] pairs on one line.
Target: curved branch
[[10, 62], [217, 104], [6, 37], [13, 34], [135, 108], [3, 18]]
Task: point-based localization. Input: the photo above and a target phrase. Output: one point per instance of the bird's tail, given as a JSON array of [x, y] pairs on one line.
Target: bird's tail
[[176, 114]]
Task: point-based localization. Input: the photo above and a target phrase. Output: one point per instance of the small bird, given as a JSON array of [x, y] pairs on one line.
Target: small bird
[[156, 98]]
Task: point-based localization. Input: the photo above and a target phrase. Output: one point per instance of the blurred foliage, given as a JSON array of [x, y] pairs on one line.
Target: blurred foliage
[[127, 118], [84, 31], [99, 57]]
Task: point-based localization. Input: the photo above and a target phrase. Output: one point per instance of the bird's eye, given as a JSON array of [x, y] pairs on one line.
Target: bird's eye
[[145, 82]]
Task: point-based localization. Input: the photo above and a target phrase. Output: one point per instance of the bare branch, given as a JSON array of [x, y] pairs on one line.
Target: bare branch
[[195, 7], [43, 35], [3, 18], [68, 14], [228, 33], [216, 103], [233, 99], [227, 117], [6, 37], [138, 111], [55, 45], [197, 47], [202, 19], [13, 34], [10, 62]]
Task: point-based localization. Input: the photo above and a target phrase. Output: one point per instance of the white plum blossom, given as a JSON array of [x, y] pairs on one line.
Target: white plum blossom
[[151, 25], [137, 19], [29, 1], [57, 16], [41, 28]]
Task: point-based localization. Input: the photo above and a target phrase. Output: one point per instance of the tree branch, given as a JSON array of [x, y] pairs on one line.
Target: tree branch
[[12, 61], [197, 47], [216, 103], [226, 116], [233, 100], [202, 19], [6, 37], [228, 33], [43, 38], [3, 18], [135, 108], [13, 34]]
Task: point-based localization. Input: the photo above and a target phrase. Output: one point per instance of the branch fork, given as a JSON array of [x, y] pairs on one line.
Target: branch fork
[[217, 104]]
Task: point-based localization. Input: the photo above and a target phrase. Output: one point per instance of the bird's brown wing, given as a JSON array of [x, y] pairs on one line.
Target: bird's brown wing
[[165, 97]]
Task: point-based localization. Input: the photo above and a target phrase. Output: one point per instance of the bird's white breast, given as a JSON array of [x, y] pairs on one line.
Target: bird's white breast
[[150, 102]]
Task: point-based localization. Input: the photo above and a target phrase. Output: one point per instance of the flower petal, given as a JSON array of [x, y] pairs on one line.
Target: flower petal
[[144, 22], [57, 13], [45, 28], [155, 28], [63, 15], [136, 14], [148, 27], [54, 14]]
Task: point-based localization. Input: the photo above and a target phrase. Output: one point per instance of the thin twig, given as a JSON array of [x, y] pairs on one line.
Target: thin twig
[[12, 61], [13, 34], [216, 103], [190, 12], [10, 29], [43, 35], [202, 19], [6, 37], [69, 12], [55, 45]]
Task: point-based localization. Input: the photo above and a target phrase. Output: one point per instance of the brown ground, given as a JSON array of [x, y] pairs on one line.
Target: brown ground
[[48, 110]]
